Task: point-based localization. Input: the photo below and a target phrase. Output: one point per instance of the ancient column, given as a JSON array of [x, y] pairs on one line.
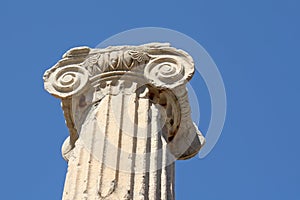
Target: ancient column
[[129, 119]]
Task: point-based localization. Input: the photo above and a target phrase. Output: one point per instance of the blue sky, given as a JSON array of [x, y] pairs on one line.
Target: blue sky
[[255, 45]]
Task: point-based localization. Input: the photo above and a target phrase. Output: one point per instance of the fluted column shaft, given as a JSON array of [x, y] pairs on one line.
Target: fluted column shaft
[[121, 152]]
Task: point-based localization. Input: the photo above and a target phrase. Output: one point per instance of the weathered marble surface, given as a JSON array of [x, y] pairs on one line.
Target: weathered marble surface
[[129, 119]]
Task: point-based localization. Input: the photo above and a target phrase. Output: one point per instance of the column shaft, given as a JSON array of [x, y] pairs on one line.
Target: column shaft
[[121, 152]]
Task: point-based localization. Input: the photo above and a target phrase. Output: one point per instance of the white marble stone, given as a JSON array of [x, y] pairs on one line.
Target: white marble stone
[[129, 120]]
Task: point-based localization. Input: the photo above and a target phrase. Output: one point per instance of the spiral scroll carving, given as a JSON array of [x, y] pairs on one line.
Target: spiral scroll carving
[[169, 72], [66, 81]]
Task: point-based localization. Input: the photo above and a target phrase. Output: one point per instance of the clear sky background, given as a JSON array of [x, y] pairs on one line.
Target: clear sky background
[[255, 45]]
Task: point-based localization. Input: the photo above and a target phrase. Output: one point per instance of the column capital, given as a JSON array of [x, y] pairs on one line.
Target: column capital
[[160, 65], [84, 70]]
